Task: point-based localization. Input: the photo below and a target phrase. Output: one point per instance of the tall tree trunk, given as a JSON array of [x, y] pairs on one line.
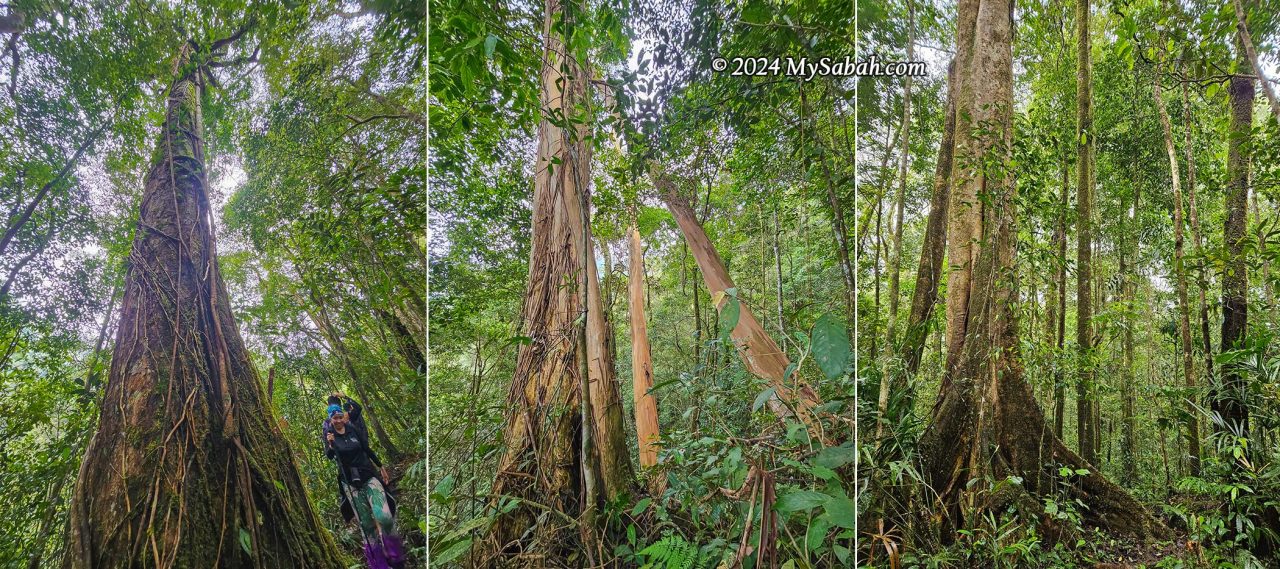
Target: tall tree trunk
[[1180, 281], [545, 435], [641, 367], [1130, 253], [1193, 217], [187, 468], [904, 160], [929, 271], [606, 401], [1085, 434], [986, 422], [1229, 397], [761, 355], [563, 436], [1060, 323]]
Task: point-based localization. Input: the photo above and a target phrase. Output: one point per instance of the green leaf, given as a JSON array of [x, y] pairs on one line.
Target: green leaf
[[831, 346], [641, 506], [445, 486], [490, 43], [835, 457], [246, 542], [729, 316], [800, 500], [842, 553], [817, 535], [840, 511], [762, 398], [450, 553]]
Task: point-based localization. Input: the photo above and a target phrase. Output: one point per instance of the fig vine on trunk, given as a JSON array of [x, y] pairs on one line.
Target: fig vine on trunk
[[188, 467]]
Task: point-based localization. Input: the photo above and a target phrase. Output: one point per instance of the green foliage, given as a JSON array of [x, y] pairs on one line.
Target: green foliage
[[672, 552]]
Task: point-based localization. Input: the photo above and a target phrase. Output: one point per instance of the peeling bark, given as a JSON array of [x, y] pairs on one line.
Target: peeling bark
[[641, 366], [761, 355], [551, 457]]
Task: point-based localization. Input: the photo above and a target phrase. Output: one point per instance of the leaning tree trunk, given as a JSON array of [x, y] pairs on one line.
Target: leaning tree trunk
[[548, 460], [1229, 396], [986, 423], [761, 355], [188, 468]]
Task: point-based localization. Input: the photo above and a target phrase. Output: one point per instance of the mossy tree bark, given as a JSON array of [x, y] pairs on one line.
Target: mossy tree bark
[[986, 423], [188, 468], [1229, 400]]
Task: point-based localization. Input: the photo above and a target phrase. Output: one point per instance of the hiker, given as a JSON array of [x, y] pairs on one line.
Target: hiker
[[363, 489], [338, 401]]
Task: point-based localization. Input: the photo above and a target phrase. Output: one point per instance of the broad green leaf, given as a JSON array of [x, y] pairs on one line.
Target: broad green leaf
[[831, 346]]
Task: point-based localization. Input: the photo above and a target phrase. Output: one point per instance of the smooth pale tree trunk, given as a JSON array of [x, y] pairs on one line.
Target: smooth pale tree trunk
[[188, 468], [1085, 435], [761, 355], [986, 422], [1180, 284], [641, 366], [1229, 399], [551, 454], [608, 423]]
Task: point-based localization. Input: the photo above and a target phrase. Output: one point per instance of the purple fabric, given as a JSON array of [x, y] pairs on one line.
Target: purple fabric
[[373, 554], [394, 548]]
